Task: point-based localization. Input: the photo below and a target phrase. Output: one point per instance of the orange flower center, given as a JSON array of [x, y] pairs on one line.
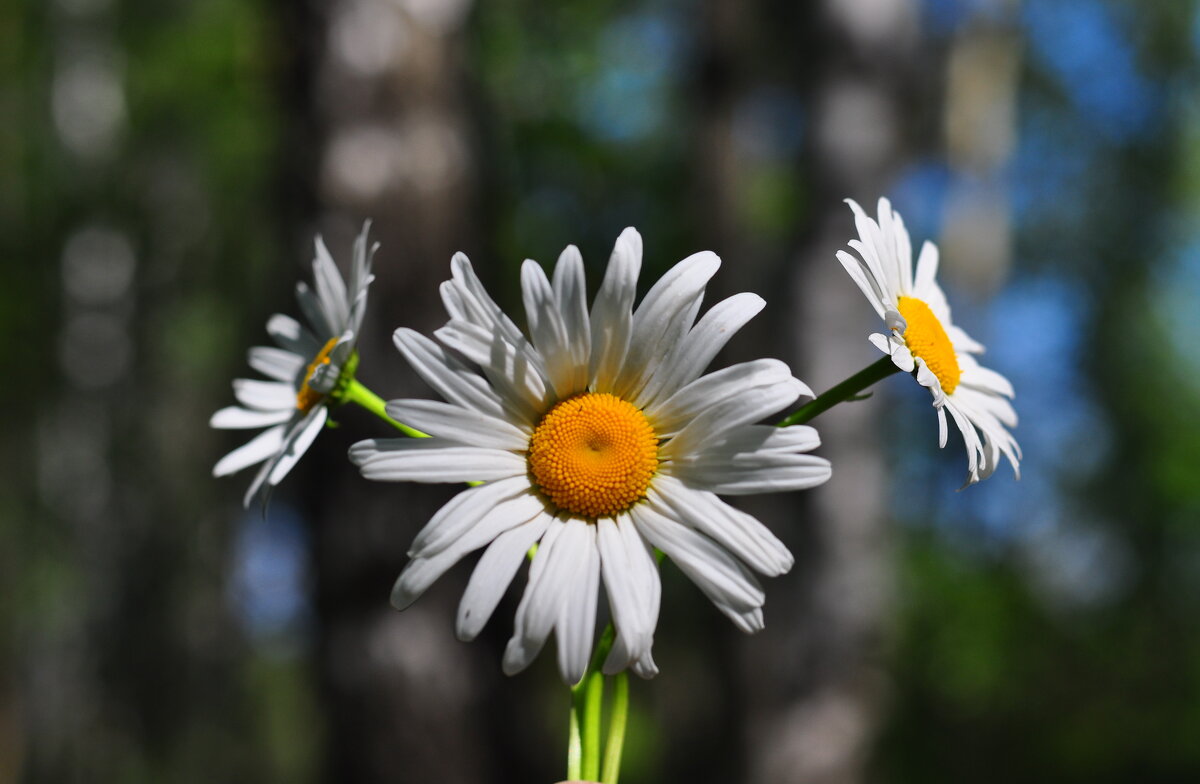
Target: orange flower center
[[926, 338], [306, 396], [593, 455]]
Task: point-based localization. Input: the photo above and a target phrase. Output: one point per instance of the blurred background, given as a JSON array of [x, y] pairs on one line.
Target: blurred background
[[165, 164]]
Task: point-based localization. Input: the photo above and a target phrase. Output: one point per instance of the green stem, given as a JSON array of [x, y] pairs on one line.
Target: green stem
[[587, 696], [574, 745], [842, 392], [355, 392], [619, 717], [593, 698]]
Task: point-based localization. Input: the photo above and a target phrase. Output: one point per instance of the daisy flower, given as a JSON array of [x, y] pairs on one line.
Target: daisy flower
[[922, 338], [596, 438], [305, 370]]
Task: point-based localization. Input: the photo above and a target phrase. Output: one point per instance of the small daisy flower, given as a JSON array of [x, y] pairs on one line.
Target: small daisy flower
[[305, 370], [598, 439], [922, 338]]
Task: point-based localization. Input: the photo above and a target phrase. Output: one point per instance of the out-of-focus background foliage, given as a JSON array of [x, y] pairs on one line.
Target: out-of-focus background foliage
[[164, 165]]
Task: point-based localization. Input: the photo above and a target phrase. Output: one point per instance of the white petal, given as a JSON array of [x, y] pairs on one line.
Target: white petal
[[632, 584], [509, 497], [738, 532], [276, 363], [724, 580], [612, 312], [576, 625], [433, 460], [548, 331], [262, 446], [662, 319], [449, 378], [514, 370], [866, 282], [235, 418], [360, 276], [310, 306], [331, 290], [481, 308], [422, 572], [570, 293], [550, 579], [288, 333], [985, 380], [455, 423], [927, 265], [942, 433], [687, 359], [714, 389], [264, 395], [297, 443], [755, 459], [492, 575], [748, 406], [963, 343]]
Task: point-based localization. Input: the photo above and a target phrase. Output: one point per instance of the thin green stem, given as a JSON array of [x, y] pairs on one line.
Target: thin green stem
[[617, 720], [587, 696], [593, 699], [355, 392], [574, 743], [842, 392]]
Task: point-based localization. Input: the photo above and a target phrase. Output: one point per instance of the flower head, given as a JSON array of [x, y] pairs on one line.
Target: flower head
[[598, 439], [923, 339], [306, 370]]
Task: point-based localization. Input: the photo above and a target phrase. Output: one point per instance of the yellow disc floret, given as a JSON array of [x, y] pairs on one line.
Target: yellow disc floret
[[307, 397], [593, 455], [926, 338]]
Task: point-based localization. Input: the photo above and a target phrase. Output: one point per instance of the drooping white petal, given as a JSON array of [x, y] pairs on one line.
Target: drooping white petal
[[455, 423], [264, 395], [576, 625], [422, 571], [256, 450], [237, 418], [291, 336], [736, 531], [632, 584], [298, 440], [612, 312], [493, 573], [560, 556], [687, 358], [724, 580], [433, 460], [509, 497]]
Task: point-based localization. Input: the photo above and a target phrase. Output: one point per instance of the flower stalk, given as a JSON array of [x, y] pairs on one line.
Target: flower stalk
[[355, 392], [844, 391]]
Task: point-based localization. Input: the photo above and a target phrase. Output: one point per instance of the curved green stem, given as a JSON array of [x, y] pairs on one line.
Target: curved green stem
[[842, 392], [617, 720], [355, 392]]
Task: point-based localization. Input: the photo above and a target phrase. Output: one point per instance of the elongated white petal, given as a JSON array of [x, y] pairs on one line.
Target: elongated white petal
[[755, 473], [549, 576], [433, 460], [310, 306], [264, 395], [549, 332], [723, 579], [927, 265], [259, 448], [508, 497], [713, 390], [482, 310], [331, 290], [422, 572], [298, 440], [493, 574], [514, 370], [291, 336], [276, 363], [455, 423], [687, 359], [733, 529], [662, 319], [576, 625], [752, 405], [632, 584], [449, 378], [570, 294], [612, 312], [236, 418]]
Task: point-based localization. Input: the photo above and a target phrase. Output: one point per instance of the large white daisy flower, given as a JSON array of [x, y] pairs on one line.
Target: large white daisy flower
[[598, 439], [305, 370], [922, 337]]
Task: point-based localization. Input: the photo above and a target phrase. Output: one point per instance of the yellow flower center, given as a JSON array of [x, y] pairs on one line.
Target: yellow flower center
[[307, 397], [926, 338], [593, 455]]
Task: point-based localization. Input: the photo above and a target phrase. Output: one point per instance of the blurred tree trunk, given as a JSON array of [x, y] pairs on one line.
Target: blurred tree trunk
[[392, 143], [813, 697]]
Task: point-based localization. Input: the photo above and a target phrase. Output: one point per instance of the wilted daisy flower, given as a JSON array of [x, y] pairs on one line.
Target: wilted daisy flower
[[598, 439], [923, 338], [305, 370]]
